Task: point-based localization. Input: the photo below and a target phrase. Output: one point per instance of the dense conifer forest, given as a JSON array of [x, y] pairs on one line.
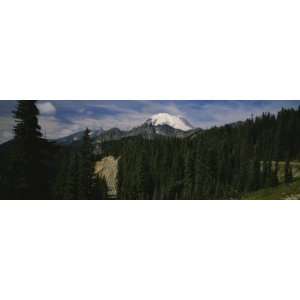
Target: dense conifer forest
[[224, 162], [219, 163], [34, 168]]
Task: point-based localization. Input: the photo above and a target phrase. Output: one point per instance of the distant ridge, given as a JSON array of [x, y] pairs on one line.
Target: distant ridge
[[162, 124]]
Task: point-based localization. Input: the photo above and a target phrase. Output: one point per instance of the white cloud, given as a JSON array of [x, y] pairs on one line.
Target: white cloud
[[53, 128], [6, 128], [46, 108]]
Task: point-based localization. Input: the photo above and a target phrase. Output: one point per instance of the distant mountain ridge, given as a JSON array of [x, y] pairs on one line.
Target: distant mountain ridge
[[162, 124], [78, 136]]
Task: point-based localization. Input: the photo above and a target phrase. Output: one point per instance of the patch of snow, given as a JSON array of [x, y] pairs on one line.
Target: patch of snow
[[171, 120]]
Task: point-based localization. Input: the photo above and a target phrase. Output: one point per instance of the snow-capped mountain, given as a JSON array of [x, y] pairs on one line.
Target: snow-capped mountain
[[170, 120], [162, 124]]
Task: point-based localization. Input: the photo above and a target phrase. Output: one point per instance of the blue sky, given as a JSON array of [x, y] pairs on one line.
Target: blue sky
[[61, 118]]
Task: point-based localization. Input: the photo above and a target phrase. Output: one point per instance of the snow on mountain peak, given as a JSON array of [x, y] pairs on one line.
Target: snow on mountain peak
[[171, 120]]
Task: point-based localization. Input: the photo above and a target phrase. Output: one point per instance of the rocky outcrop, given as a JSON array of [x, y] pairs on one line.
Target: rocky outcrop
[[107, 168]]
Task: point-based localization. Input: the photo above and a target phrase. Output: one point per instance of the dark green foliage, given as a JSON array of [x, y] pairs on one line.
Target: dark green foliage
[[75, 176], [288, 174], [99, 189], [86, 167], [189, 174], [274, 179], [143, 178], [72, 186], [254, 182], [218, 163], [59, 188], [28, 171]]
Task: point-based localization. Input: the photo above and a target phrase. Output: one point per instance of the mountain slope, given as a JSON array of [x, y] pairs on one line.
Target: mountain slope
[[170, 120], [78, 136]]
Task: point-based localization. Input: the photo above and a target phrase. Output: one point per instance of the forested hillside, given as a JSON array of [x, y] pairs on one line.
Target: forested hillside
[[219, 163], [34, 168]]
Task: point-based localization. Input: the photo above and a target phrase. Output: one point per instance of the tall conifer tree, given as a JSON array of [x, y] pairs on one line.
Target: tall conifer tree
[[86, 168], [288, 174], [29, 171]]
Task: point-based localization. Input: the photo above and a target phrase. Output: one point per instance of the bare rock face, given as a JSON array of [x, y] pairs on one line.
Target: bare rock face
[[107, 168]]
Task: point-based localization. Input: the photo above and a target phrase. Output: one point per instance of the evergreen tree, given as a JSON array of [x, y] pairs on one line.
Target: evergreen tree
[[288, 174], [62, 173], [28, 173], [264, 174], [100, 188], [143, 179], [275, 180], [188, 176], [254, 176], [86, 175], [71, 188]]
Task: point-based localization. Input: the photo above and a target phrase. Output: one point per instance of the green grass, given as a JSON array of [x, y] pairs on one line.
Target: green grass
[[282, 191]]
